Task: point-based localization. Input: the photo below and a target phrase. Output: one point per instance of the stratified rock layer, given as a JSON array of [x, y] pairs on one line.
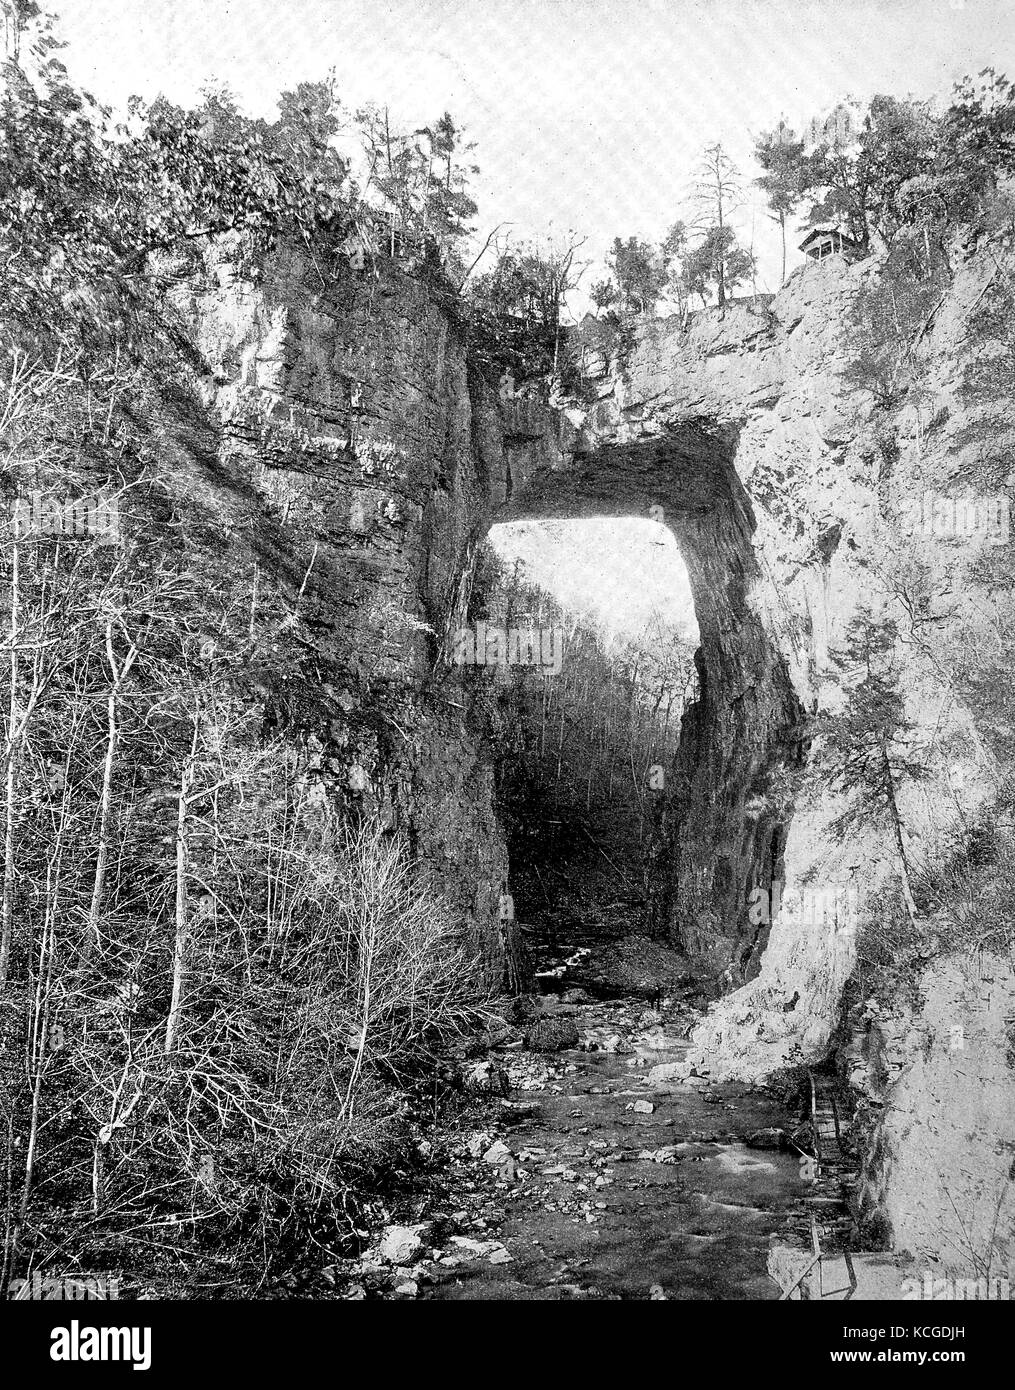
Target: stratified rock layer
[[345, 443], [793, 518], [341, 423]]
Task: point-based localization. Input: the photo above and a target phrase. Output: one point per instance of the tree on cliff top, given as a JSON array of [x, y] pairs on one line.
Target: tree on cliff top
[[786, 178], [881, 172], [423, 178], [638, 273], [517, 307], [674, 250], [717, 261], [717, 192], [84, 261]]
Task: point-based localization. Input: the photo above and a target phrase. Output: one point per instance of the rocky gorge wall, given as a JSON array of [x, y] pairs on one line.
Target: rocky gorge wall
[[835, 487], [338, 438], [345, 442]]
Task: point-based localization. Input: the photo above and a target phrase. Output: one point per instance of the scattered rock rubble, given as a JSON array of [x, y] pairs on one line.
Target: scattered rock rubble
[[556, 1130]]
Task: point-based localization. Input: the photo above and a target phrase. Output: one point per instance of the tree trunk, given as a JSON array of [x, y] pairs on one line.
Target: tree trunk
[[112, 738], [18, 723], [182, 858], [900, 849], [12, 715], [98, 1177], [39, 1031]]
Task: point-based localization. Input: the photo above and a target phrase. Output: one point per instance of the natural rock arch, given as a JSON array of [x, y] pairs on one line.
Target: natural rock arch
[[724, 813]]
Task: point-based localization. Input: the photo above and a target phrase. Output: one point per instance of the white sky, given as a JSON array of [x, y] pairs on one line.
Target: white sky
[[621, 572], [587, 113]]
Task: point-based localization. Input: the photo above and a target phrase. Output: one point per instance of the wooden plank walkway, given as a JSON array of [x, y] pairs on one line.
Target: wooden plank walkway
[[830, 1203]]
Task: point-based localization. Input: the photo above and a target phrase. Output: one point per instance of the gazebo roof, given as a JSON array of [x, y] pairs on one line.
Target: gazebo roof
[[826, 229]]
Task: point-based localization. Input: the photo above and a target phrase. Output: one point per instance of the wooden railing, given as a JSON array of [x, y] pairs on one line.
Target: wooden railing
[[818, 1257]]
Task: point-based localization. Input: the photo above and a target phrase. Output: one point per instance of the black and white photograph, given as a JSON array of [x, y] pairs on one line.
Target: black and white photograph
[[507, 683]]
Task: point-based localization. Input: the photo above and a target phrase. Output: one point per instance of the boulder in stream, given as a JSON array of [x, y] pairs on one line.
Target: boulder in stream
[[400, 1245], [767, 1139]]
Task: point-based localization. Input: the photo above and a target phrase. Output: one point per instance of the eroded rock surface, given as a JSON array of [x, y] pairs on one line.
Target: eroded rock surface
[[788, 488], [340, 418]]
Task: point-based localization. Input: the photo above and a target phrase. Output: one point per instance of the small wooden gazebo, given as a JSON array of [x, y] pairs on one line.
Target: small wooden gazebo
[[828, 240]]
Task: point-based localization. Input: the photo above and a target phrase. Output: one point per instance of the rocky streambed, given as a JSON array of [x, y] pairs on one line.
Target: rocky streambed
[[596, 1170], [618, 1181]]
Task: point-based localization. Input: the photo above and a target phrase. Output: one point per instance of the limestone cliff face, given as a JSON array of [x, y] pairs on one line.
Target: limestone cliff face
[[786, 490], [341, 424], [935, 1076], [811, 502], [340, 411]]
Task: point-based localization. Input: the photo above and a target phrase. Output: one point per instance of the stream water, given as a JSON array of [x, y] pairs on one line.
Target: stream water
[[610, 1180]]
